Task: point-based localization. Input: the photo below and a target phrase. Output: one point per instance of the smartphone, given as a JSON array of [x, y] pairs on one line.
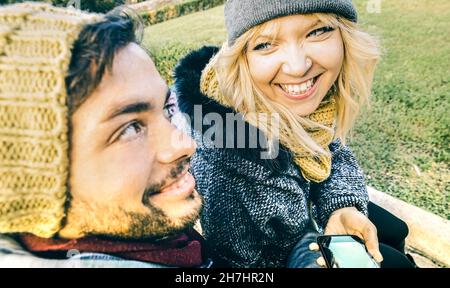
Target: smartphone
[[345, 251]]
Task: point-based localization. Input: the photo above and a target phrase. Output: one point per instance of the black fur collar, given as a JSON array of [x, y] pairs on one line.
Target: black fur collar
[[187, 86]]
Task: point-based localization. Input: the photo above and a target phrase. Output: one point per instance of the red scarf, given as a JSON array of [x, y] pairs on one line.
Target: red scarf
[[184, 250]]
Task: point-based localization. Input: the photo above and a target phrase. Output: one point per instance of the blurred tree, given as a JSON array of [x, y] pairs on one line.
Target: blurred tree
[[100, 6]]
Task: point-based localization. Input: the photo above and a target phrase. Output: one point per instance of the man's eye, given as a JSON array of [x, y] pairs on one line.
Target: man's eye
[[262, 46], [131, 130], [320, 31], [169, 110], [170, 107]]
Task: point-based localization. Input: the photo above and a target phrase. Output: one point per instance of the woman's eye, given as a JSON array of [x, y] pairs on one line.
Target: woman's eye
[[130, 131], [262, 46], [320, 31]]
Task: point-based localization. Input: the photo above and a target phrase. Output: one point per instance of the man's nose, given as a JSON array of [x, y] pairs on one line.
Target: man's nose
[[295, 62], [178, 146]]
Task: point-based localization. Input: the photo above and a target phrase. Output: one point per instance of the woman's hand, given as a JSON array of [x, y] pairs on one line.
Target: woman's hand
[[351, 221]]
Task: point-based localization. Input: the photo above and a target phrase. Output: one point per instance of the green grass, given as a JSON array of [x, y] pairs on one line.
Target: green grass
[[171, 40], [402, 140]]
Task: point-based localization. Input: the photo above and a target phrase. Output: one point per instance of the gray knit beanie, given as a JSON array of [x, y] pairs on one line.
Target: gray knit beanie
[[242, 15]]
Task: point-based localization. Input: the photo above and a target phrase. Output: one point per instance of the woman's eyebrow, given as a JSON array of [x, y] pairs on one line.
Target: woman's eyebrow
[[264, 37], [270, 36], [315, 24], [312, 25]]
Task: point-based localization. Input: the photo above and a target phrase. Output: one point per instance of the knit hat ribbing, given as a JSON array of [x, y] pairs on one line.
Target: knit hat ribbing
[[242, 15], [35, 51]]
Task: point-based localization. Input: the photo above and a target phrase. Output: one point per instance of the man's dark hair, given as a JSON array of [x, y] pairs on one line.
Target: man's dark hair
[[94, 51]]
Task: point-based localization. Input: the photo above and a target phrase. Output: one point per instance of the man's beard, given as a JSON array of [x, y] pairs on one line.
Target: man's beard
[[116, 222], [156, 225]]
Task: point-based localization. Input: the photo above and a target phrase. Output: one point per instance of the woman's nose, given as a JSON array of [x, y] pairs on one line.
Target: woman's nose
[[296, 63]]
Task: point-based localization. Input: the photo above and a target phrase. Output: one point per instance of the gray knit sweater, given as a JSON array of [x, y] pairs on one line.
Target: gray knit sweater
[[255, 211]]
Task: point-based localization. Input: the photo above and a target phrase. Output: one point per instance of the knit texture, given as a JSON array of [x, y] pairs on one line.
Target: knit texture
[[255, 212], [35, 51], [315, 169], [242, 15], [182, 250]]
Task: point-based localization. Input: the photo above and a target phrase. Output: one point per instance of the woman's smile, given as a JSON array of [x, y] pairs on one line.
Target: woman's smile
[[299, 91]]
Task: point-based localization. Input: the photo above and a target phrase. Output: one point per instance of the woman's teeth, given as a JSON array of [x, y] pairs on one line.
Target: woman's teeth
[[299, 88]]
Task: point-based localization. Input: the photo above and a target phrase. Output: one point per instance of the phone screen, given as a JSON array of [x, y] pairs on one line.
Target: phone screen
[[344, 251]]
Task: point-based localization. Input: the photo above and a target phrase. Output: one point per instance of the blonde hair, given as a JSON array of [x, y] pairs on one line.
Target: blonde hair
[[361, 54]]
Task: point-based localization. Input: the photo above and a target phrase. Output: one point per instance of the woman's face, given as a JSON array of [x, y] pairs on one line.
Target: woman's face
[[296, 63]]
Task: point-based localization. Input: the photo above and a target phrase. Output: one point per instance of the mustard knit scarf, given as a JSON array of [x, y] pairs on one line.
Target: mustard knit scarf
[[313, 168]]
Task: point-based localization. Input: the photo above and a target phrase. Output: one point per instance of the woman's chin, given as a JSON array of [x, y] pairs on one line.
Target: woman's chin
[[306, 108]]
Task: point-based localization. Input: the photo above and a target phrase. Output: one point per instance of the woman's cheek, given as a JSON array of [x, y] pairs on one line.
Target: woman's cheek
[[328, 54], [263, 69]]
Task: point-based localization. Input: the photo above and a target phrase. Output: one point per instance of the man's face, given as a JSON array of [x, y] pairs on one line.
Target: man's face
[[128, 175]]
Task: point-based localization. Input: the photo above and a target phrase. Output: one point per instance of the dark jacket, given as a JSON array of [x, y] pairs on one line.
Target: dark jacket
[[257, 210]]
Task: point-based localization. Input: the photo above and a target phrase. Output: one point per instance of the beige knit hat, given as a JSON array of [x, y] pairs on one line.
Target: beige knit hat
[[35, 51]]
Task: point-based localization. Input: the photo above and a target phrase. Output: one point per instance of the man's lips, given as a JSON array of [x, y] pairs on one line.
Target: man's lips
[[177, 190]]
